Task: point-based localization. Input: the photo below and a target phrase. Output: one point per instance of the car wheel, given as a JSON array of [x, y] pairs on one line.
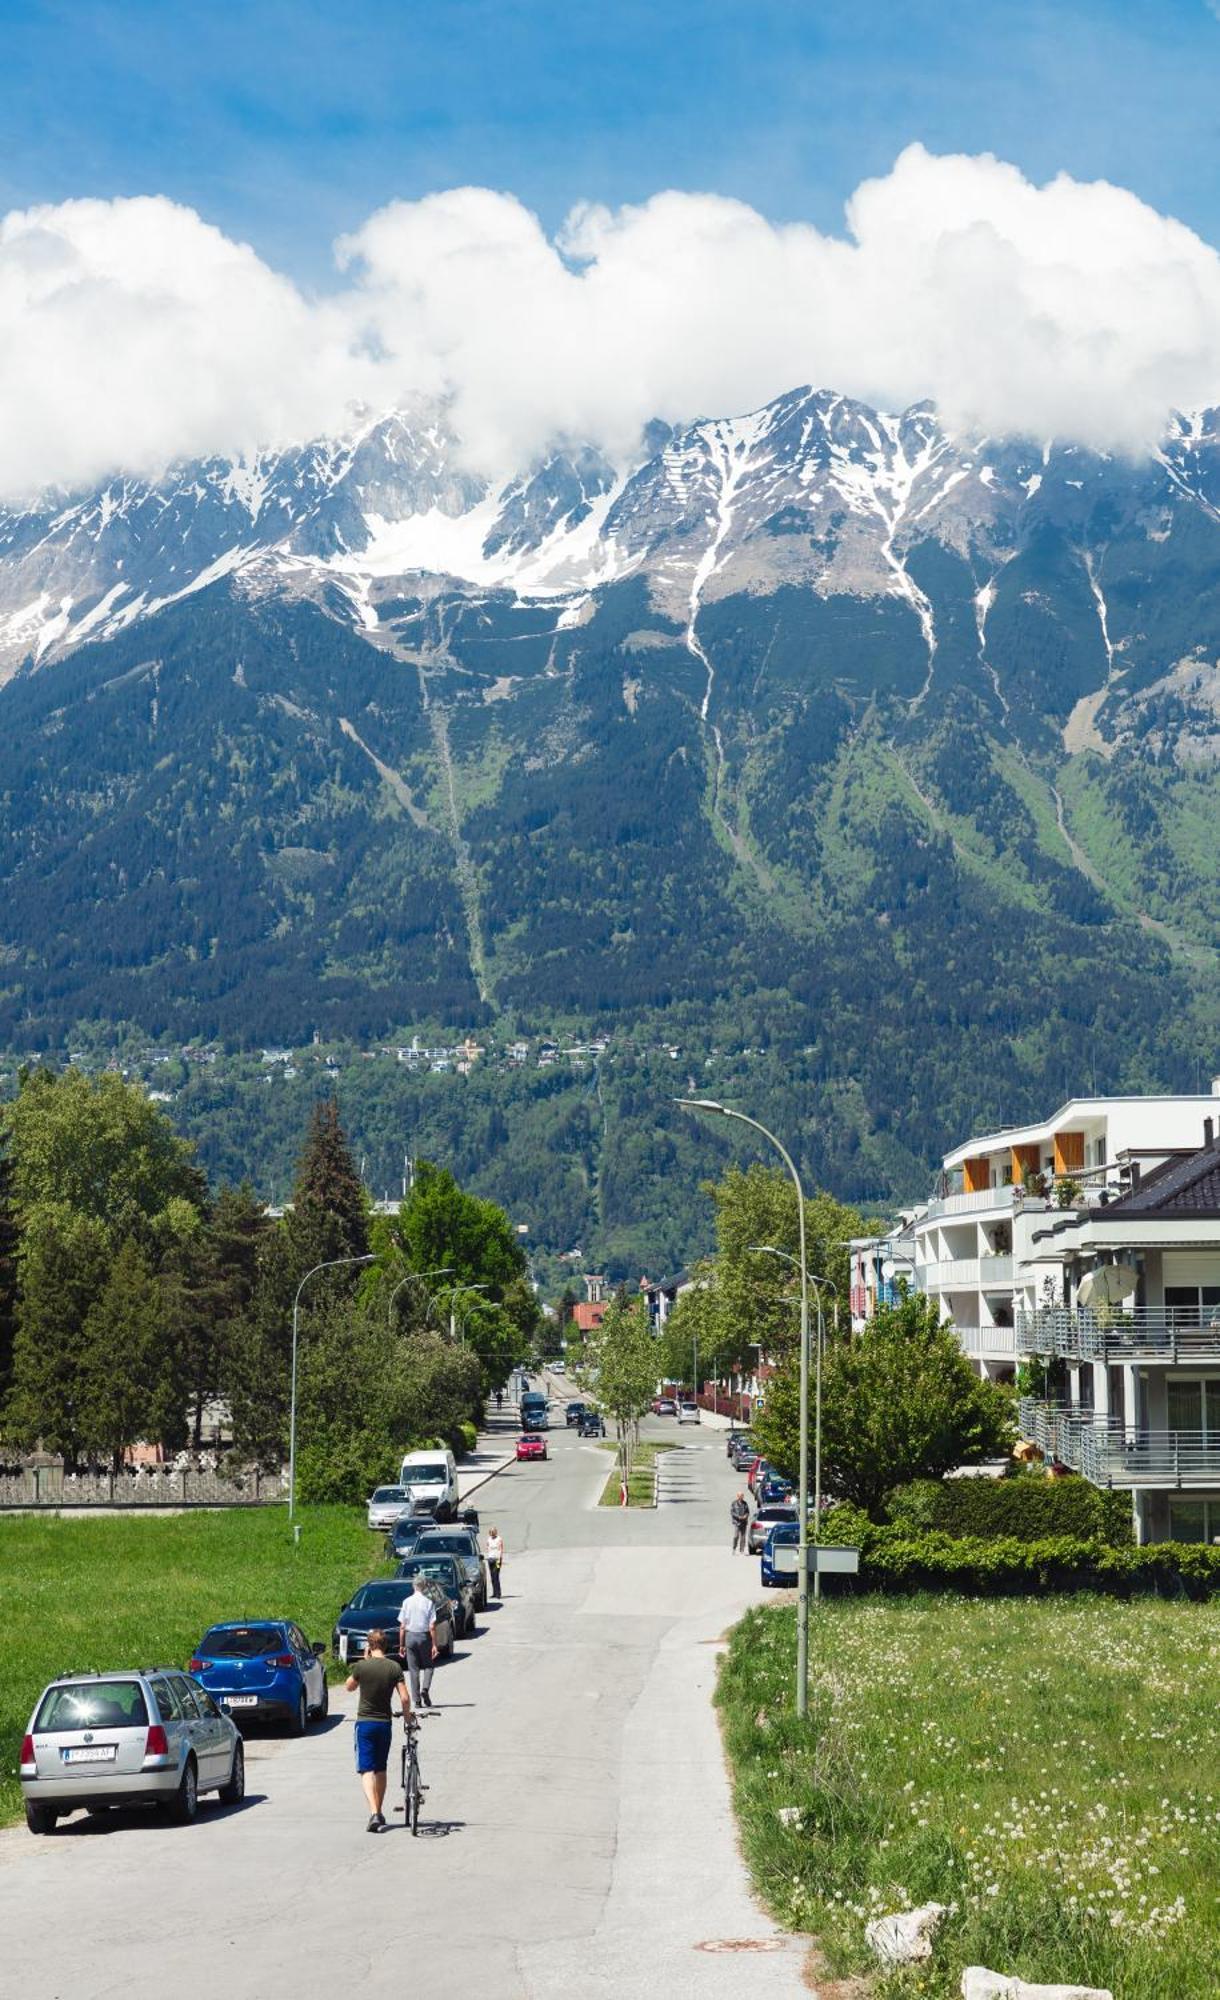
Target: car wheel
[[300, 1721], [40, 1818], [186, 1798], [234, 1792], [323, 1708], [447, 1649]]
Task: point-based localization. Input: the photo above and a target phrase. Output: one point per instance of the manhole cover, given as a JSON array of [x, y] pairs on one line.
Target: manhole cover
[[741, 1944]]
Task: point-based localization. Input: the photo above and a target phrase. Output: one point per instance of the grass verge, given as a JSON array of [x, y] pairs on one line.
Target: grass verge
[[640, 1484], [118, 1592], [1048, 1769]]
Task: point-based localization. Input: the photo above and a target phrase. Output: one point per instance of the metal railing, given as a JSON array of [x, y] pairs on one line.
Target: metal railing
[[970, 1204], [1000, 1341], [963, 1272], [1112, 1455], [1145, 1333]]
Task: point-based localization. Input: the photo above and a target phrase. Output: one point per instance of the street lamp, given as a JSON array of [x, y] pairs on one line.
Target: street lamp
[[331, 1264], [456, 1293], [445, 1271], [802, 1580], [770, 1250]]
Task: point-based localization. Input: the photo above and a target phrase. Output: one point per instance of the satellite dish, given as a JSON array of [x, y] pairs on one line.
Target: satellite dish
[[1107, 1285]]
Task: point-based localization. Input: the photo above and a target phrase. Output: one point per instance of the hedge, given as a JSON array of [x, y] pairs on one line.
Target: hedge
[[895, 1559], [1028, 1507]]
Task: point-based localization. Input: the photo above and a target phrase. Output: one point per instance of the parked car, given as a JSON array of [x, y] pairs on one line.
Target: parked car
[[592, 1425], [734, 1442], [151, 1737], [406, 1531], [531, 1446], [386, 1504], [573, 1413], [688, 1413], [559, 1367], [665, 1406], [377, 1605], [781, 1534], [763, 1519], [264, 1669], [758, 1470], [744, 1457], [773, 1488], [430, 1476], [463, 1545], [446, 1574]]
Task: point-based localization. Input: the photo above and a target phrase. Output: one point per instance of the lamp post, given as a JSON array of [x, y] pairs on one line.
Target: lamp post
[[331, 1264], [445, 1271], [456, 1293], [802, 1580], [771, 1250]]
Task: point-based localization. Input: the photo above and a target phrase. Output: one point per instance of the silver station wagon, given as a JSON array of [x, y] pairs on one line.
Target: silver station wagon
[[151, 1737]]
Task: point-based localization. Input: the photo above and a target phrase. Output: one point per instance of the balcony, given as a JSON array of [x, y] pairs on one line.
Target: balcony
[[1146, 1333], [998, 1198], [991, 1343], [1109, 1455], [964, 1274]]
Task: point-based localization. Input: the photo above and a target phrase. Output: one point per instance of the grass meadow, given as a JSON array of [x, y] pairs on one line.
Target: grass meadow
[[119, 1591], [1049, 1769]]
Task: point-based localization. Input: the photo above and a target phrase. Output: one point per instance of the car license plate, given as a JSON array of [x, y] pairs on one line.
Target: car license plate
[[240, 1700], [91, 1753]]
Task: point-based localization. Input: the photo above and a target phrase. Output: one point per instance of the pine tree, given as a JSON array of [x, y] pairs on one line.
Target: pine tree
[[330, 1211], [64, 1260], [129, 1389], [8, 1266]]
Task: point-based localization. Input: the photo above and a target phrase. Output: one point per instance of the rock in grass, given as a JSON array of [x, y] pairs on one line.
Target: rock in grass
[[906, 1936], [979, 1984]]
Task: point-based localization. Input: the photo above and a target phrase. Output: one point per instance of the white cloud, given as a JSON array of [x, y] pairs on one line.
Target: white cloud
[[132, 333]]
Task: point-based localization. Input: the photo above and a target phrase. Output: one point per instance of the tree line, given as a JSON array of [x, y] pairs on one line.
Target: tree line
[[140, 1306]]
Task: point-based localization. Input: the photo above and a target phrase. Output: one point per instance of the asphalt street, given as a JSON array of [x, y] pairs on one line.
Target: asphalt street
[[576, 1839]]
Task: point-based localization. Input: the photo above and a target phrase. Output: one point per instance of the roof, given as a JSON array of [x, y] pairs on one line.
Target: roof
[[1186, 1185], [1075, 1110]]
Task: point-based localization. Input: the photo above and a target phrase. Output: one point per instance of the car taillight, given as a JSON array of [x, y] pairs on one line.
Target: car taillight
[[194, 1666], [156, 1743], [27, 1750], [282, 1660]]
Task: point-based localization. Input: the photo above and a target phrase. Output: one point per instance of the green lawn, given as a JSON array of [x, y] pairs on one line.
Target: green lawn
[[1050, 1769], [118, 1592]]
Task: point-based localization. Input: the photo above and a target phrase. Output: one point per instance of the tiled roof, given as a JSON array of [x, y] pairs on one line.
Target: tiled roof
[[1189, 1186]]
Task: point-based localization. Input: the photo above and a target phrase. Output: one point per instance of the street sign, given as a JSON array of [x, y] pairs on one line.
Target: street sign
[[824, 1557]]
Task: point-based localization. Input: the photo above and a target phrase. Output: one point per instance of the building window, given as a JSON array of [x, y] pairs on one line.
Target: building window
[[1192, 1305], [1194, 1520], [1193, 1404]]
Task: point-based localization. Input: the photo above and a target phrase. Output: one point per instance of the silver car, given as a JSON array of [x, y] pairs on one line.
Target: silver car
[[386, 1504], [151, 1737]]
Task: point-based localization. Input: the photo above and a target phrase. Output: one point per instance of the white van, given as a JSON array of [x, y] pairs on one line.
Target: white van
[[430, 1478]]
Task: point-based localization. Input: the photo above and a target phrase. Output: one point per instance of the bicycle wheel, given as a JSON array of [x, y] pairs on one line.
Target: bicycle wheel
[[413, 1791]]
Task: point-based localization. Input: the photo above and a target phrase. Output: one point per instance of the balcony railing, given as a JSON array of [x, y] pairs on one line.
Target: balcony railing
[[963, 1274], [970, 1204], [1145, 1333], [1110, 1455], [996, 1342]]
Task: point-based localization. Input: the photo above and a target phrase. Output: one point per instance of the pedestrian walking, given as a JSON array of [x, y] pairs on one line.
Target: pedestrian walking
[[378, 1679], [417, 1640], [495, 1556], [499, 1399], [739, 1514]]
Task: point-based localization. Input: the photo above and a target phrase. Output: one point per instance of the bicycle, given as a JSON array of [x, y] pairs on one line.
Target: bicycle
[[413, 1787]]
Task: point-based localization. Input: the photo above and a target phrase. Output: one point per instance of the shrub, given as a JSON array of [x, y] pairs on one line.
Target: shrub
[[465, 1439], [1029, 1506], [900, 1559]]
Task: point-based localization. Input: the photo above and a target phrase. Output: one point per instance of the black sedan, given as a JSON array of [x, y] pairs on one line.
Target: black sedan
[[443, 1573], [406, 1531], [376, 1606], [573, 1414], [463, 1545]]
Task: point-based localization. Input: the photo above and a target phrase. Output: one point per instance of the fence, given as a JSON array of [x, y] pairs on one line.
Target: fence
[[165, 1486]]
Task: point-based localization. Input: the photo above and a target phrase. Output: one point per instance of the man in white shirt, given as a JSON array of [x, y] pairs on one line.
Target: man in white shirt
[[417, 1640]]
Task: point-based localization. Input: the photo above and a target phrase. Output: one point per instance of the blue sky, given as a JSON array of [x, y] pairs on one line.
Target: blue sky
[[287, 121]]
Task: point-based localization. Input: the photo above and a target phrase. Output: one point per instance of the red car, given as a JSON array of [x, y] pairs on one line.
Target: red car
[[531, 1446]]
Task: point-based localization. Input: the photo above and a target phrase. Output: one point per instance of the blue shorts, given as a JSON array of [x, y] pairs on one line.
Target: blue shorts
[[373, 1740]]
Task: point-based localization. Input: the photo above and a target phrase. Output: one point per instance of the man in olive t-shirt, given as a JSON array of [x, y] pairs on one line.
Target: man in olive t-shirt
[[377, 1678]]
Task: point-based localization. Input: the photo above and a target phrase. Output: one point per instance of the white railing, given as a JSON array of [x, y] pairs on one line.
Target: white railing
[[990, 1342], [970, 1204], [963, 1273]]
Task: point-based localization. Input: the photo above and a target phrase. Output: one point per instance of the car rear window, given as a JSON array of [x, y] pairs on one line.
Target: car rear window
[[240, 1642], [440, 1569], [385, 1494], [83, 1705], [776, 1513]]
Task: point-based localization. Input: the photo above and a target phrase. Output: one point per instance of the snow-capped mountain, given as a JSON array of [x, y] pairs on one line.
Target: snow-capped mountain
[[814, 491]]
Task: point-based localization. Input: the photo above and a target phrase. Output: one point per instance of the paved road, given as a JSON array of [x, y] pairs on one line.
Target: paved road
[[577, 1835]]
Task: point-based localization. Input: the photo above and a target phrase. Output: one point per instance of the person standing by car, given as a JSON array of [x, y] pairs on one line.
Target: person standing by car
[[376, 1677], [417, 1639], [739, 1514], [495, 1556]]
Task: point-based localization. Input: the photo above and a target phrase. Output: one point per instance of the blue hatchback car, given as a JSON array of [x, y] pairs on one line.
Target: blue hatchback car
[[784, 1535], [263, 1669]]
